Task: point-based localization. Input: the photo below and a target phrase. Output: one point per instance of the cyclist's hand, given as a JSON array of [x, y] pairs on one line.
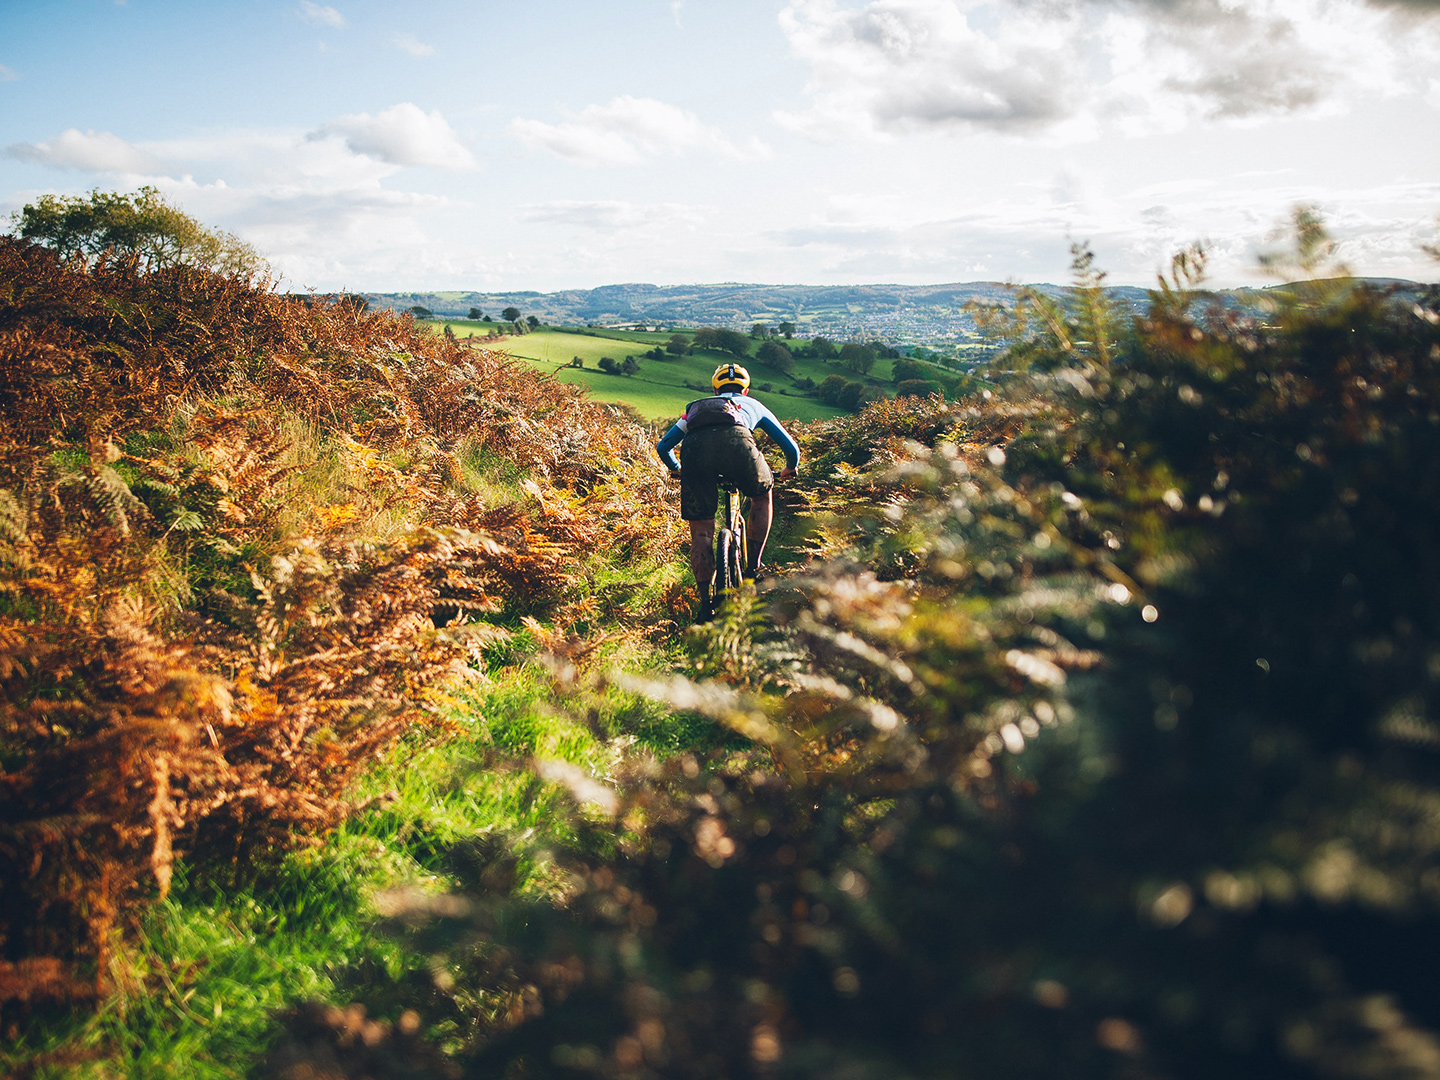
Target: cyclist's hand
[[787, 473]]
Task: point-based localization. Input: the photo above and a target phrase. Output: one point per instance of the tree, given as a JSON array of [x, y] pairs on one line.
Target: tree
[[773, 354], [903, 370], [854, 396], [143, 226], [678, 345], [830, 388], [510, 314], [918, 388], [787, 330], [532, 322], [760, 331], [476, 313], [630, 366], [856, 357], [722, 340], [822, 348], [421, 312], [609, 365]]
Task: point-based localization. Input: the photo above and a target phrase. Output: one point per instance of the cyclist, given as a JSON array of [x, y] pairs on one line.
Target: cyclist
[[719, 441]]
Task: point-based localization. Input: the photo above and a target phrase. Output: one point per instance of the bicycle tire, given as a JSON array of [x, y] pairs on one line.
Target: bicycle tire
[[737, 553], [723, 551]]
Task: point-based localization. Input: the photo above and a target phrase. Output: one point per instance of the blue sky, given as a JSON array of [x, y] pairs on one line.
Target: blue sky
[[568, 143]]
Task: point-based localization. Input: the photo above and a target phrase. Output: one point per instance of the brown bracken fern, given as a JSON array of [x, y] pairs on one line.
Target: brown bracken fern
[[195, 657]]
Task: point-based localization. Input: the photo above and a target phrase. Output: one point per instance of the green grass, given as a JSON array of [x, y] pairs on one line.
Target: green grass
[[218, 962], [658, 391]]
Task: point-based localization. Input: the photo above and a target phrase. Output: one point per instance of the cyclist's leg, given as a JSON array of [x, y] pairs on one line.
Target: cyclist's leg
[[702, 558], [699, 495]]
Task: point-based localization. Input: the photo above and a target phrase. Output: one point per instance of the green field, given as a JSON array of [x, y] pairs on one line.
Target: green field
[[659, 390]]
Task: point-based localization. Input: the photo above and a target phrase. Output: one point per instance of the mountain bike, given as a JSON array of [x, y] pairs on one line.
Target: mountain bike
[[732, 549]]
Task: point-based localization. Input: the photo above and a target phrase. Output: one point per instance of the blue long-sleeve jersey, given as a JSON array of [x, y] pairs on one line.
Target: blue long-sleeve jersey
[[753, 414]]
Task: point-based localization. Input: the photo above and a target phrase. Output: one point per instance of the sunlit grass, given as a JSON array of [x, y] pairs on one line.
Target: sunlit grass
[[658, 391]]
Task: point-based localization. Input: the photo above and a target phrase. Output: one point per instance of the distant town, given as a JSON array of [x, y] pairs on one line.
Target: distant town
[[931, 316]]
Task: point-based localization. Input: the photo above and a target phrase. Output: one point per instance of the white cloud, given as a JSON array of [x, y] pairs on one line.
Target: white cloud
[[897, 66], [321, 15], [609, 215], [8, 74], [87, 151], [317, 209], [408, 43], [1022, 231], [675, 6], [629, 130], [403, 134]]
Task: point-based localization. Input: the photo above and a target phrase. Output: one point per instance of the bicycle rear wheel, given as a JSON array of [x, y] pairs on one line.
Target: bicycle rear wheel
[[725, 561], [738, 553]]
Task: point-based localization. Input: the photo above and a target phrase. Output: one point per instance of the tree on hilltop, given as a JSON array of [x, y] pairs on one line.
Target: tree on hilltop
[[786, 330], [476, 314], [510, 314], [143, 226]]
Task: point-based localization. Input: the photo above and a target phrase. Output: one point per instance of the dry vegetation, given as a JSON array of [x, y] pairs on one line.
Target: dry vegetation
[[242, 537]]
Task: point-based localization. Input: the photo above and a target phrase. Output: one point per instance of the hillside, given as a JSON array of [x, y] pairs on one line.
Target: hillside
[[659, 389], [898, 314], [352, 725]]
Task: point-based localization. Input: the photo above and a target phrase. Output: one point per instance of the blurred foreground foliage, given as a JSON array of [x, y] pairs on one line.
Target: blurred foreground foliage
[[1098, 740]]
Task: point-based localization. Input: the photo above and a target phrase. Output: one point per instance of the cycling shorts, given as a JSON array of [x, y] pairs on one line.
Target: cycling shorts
[[709, 453]]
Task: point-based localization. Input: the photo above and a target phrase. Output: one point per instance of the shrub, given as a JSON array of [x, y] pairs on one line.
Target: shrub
[[918, 388], [830, 389], [856, 395]]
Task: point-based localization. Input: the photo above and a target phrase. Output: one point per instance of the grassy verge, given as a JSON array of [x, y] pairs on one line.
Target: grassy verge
[[217, 964]]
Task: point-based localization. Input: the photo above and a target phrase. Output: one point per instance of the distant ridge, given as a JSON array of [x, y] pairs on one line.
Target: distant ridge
[[917, 314]]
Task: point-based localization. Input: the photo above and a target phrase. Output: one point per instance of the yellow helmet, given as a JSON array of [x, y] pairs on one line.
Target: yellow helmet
[[730, 375]]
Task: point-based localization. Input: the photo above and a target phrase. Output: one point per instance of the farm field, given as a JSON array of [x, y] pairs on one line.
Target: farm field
[[659, 391]]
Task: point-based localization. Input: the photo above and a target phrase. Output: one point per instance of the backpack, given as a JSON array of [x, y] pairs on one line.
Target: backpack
[[710, 411]]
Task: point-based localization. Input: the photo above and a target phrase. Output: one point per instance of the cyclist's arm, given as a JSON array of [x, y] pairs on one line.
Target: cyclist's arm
[[666, 446], [771, 427]]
